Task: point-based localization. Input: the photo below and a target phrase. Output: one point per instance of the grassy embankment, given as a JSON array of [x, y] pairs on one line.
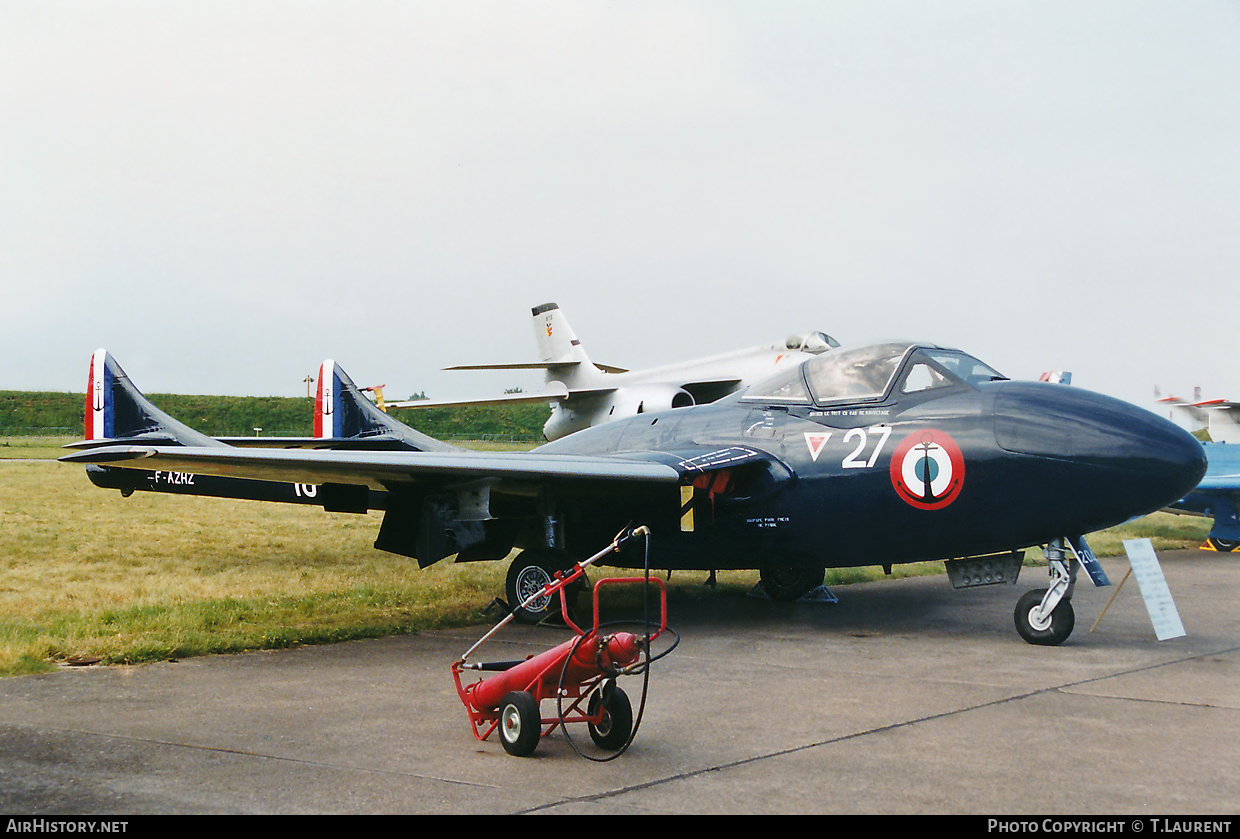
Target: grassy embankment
[[238, 416]]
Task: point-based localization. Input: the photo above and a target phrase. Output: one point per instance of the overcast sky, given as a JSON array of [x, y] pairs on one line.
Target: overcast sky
[[225, 193]]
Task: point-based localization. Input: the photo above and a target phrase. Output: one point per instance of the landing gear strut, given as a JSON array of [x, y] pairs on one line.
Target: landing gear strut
[[1225, 533], [1044, 616]]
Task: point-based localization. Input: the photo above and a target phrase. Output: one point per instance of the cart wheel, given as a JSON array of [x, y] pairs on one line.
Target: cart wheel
[[613, 730], [520, 724]]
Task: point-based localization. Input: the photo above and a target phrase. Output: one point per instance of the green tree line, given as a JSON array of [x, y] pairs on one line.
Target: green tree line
[[238, 416]]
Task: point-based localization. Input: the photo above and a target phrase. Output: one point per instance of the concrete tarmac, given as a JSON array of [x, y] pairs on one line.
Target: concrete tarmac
[[904, 697]]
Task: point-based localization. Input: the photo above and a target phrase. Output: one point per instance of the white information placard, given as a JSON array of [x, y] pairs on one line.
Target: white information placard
[[1158, 602]]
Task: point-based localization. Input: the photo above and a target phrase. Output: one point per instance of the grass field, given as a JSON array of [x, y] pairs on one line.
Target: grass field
[[88, 576], [28, 448]]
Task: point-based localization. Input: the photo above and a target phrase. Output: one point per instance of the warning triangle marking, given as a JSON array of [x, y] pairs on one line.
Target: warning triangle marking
[[816, 440]]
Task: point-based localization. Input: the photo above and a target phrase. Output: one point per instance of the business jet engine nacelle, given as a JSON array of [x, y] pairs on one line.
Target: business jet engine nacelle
[[628, 401]]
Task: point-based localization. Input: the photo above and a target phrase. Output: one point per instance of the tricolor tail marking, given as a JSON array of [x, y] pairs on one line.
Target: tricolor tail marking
[[327, 415], [99, 398]]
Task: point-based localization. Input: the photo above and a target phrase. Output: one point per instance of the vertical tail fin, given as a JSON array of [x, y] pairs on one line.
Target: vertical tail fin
[[557, 343], [342, 412], [117, 410]]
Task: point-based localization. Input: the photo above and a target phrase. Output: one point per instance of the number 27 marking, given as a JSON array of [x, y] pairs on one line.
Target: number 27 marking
[[862, 436]]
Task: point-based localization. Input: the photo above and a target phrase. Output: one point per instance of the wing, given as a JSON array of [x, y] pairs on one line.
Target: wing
[[554, 392], [1222, 479], [535, 365], [435, 504], [380, 469]]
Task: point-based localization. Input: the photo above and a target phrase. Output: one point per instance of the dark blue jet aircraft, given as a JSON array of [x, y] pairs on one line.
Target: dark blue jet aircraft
[[884, 454]]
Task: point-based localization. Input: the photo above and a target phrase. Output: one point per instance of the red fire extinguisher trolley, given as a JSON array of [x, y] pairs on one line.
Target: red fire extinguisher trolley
[[581, 672]]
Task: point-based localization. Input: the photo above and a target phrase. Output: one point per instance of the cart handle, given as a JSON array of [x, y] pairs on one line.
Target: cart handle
[[560, 581]]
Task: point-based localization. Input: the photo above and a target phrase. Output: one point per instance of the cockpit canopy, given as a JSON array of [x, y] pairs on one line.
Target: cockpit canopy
[[812, 342], [871, 374]]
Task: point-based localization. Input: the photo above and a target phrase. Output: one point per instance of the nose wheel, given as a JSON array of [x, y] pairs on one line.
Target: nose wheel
[[1044, 616], [1040, 627]]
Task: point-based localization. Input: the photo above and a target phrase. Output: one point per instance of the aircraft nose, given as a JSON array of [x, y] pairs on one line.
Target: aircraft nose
[[1137, 460]]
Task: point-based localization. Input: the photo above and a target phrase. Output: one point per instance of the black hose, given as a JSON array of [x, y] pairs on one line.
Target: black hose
[[644, 670]]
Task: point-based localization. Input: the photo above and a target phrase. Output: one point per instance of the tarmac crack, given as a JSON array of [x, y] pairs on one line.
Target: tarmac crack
[[856, 735]]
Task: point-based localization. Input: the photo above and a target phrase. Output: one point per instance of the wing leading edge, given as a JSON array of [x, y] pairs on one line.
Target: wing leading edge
[[376, 469]]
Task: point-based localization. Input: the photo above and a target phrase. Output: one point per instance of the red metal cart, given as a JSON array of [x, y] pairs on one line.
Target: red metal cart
[[581, 671]]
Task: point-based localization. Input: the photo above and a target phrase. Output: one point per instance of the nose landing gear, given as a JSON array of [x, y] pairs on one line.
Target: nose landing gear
[[1045, 616], [1038, 626]]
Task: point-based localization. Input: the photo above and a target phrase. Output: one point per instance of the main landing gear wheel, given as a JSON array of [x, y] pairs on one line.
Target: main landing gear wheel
[[1045, 631], [520, 723], [528, 574], [614, 729], [788, 582], [1224, 545]]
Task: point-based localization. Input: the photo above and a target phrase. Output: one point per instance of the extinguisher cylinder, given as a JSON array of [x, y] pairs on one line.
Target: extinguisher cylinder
[[572, 664]]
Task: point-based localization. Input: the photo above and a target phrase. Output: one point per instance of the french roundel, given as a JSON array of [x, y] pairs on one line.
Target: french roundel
[[927, 469]]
